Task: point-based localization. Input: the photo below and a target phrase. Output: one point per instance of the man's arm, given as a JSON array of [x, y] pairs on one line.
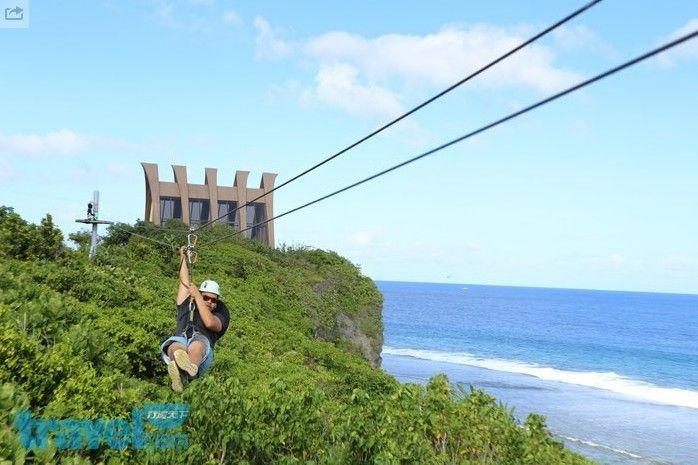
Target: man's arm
[[183, 290], [211, 321]]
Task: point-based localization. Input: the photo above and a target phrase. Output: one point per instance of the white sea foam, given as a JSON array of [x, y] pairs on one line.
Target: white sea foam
[[609, 381], [601, 446]]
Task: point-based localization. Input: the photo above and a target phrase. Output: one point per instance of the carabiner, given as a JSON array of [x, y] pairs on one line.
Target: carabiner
[[192, 239], [191, 244]]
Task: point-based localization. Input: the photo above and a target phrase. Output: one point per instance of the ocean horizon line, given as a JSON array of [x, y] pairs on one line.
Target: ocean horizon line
[[620, 291]]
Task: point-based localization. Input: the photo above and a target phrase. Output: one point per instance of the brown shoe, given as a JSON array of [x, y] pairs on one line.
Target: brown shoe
[[176, 378], [183, 362]]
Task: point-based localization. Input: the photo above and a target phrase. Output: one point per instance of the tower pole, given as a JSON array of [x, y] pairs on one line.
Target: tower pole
[[93, 219], [95, 211]]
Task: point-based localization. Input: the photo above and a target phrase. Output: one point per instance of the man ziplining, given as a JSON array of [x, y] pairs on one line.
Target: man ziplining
[[202, 319]]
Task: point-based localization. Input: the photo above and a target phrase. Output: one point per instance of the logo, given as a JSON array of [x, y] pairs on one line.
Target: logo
[[14, 13], [151, 427]]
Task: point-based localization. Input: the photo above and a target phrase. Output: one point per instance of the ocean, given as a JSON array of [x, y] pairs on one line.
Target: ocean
[[615, 373]]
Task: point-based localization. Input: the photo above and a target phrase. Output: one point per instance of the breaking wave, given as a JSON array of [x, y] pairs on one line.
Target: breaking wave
[[609, 381]]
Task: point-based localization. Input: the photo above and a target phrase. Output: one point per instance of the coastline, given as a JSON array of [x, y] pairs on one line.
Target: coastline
[[604, 426]]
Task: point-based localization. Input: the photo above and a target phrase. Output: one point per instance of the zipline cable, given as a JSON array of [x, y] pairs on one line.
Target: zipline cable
[[174, 231], [415, 109], [511, 116], [144, 237]]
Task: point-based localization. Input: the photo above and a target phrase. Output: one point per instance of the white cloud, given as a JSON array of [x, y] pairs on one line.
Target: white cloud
[[231, 17], [686, 51], [444, 57], [371, 76], [267, 45], [336, 85]]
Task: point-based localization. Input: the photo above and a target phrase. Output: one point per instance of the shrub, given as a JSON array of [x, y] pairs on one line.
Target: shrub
[[80, 339]]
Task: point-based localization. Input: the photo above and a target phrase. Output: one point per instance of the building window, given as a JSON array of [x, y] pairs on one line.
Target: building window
[[198, 211], [256, 214], [170, 208], [227, 212]]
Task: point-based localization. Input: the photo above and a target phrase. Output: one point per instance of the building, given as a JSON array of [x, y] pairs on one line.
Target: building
[[206, 202]]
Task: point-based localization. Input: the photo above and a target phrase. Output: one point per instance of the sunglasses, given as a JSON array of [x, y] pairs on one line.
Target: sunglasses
[[213, 300]]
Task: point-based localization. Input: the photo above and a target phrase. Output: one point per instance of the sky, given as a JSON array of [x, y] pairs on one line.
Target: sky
[[598, 190]]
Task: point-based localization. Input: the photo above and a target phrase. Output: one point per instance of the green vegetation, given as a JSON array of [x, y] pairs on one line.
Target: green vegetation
[[290, 381]]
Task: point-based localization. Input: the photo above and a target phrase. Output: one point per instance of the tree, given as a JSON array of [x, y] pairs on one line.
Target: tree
[[81, 239], [19, 239]]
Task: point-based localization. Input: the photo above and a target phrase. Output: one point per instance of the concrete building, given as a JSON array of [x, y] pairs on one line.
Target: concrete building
[[205, 202]]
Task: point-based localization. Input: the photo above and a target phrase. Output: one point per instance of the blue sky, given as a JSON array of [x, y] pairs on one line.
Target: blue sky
[[598, 190]]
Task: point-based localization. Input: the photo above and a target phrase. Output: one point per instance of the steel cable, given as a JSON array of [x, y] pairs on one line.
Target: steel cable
[[511, 116], [415, 109], [173, 247]]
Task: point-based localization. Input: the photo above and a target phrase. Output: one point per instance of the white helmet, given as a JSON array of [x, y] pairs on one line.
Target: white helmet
[[210, 286]]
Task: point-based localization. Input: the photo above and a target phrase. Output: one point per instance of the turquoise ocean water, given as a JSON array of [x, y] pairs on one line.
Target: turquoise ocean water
[[615, 373]]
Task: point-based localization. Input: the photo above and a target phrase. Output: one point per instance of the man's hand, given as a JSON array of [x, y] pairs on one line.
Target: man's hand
[[211, 321], [182, 251]]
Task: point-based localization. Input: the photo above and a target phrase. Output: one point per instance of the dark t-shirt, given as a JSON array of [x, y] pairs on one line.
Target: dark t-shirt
[[221, 311]]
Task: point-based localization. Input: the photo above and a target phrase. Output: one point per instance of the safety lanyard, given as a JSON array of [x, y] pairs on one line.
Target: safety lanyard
[[191, 259]]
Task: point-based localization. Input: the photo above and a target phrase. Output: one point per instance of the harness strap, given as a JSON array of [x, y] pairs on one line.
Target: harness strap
[[192, 307], [191, 258]]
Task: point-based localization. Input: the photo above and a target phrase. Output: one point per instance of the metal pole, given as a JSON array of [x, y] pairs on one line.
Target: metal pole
[[93, 219], [93, 242], [95, 210]]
